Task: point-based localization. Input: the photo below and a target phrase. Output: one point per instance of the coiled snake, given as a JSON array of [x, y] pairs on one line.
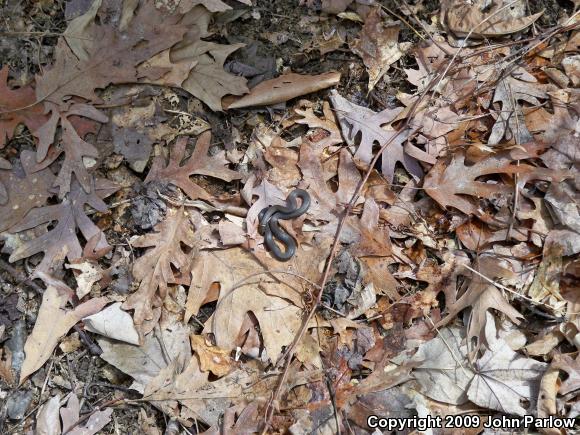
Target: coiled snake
[[270, 228]]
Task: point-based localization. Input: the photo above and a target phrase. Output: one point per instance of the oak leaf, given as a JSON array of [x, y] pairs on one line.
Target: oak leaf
[[510, 122], [26, 189], [61, 241], [355, 120], [479, 21], [572, 368], [451, 181], [378, 45], [480, 296], [199, 163], [112, 58], [17, 107], [154, 269], [76, 150], [52, 323]]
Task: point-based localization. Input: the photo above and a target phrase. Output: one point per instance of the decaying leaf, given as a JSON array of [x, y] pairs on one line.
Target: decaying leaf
[[26, 189], [114, 323], [77, 152], [17, 107], [451, 181], [199, 163], [52, 323], [211, 358], [168, 245], [112, 57], [510, 122], [144, 362], [285, 88], [356, 120], [47, 420], [61, 241], [501, 379], [378, 45], [479, 21], [71, 415], [481, 295]]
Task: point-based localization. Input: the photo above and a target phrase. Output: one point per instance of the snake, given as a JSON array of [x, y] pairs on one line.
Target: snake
[[269, 226]]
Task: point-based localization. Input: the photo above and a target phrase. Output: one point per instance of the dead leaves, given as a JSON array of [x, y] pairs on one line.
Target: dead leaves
[[53, 322], [284, 88], [480, 21], [17, 107], [378, 45], [355, 119], [154, 269], [499, 380], [61, 241], [451, 181], [199, 163]]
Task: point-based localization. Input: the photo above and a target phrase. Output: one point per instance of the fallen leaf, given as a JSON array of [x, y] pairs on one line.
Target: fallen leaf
[[481, 295], [89, 274], [52, 323], [70, 415], [451, 181], [479, 21], [26, 190], [143, 363], [284, 88], [505, 378], [61, 241], [75, 149], [199, 163], [378, 45], [211, 358], [155, 269], [112, 57], [113, 322], [572, 368], [47, 419], [17, 107], [355, 120], [510, 121]]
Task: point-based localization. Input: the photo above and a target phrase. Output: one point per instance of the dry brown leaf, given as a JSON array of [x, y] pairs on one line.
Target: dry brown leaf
[[61, 241], [211, 358], [510, 121], [111, 58], [70, 415], [155, 269], [279, 318], [480, 21], [451, 180], [23, 98], [480, 296], [357, 119], [88, 273], [378, 45], [26, 190], [284, 88], [572, 368], [199, 163], [78, 153], [52, 323]]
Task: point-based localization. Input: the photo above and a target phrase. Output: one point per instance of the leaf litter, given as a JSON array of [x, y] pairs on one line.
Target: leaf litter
[[436, 266]]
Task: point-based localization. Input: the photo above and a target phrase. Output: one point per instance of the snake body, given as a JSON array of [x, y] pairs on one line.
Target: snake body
[[270, 228]]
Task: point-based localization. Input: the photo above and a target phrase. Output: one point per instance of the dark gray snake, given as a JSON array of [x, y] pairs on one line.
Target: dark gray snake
[[270, 228]]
